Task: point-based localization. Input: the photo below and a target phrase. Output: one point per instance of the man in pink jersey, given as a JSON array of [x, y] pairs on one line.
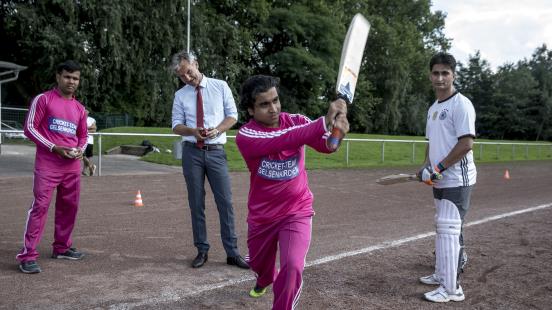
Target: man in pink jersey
[[56, 123], [280, 201]]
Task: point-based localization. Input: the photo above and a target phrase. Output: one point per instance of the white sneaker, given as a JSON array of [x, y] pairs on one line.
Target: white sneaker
[[430, 280], [441, 295]]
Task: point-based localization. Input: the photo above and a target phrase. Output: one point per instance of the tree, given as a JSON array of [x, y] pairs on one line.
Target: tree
[[515, 88], [475, 81], [541, 111], [125, 49], [404, 35], [300, 44], [122, 46]]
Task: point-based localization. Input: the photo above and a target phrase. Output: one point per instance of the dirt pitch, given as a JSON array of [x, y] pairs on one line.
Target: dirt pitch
[[370, 244]]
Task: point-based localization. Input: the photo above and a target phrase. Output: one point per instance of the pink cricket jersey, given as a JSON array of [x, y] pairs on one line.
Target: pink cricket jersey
[[276, 159], [55, 120]]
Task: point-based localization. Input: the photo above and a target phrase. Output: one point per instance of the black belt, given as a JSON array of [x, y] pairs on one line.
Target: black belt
[[206, 147]]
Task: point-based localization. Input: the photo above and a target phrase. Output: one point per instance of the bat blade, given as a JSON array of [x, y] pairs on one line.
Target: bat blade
[[396, 178], [351, 57]]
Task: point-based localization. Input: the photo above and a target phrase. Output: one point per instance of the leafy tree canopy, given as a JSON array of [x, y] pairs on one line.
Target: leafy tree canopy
[[125, 49]]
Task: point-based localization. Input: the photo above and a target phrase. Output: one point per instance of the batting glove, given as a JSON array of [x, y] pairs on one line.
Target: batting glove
[[429, 176]]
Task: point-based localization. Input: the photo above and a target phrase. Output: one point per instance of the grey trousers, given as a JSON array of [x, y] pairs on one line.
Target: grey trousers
[[196, 165]]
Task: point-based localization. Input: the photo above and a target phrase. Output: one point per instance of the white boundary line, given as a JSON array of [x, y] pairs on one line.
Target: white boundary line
[[394, 243], [174, 296]]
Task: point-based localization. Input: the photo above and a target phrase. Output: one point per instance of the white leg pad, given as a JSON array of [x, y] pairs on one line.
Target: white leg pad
[[447, 243]]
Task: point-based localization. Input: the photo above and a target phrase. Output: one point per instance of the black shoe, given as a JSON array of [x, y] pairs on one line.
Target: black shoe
[[237, 261], [71, 254], [29, 267], [200, 260]]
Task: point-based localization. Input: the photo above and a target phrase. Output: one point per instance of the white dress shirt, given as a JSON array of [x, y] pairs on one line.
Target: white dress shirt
[[218, 103]]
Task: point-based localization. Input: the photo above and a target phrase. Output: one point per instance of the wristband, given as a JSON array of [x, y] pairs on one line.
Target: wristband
[[440, 167]]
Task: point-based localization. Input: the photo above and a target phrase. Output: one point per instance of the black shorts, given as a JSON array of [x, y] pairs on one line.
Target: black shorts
[[89, 150]]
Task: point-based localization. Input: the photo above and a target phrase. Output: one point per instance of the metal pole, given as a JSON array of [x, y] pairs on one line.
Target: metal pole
[[383, 151], [188, 35], [413, 152], [480, 151], [347, 155], [100, 154]]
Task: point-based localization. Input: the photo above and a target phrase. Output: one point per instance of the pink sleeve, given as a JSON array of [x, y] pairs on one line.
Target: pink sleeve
[[320, 144], [254, 143], [34, 120], [82, 131], [317, 144]]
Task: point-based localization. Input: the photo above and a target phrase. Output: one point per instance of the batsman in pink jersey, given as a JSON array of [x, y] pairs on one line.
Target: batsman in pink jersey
[[56, 123], [280, 201]]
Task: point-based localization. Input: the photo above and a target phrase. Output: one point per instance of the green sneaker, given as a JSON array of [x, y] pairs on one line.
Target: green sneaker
[[29, 267], [257, 291]]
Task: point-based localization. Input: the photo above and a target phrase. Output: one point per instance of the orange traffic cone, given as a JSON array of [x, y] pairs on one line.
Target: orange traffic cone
[[506, 175], [138, 200]]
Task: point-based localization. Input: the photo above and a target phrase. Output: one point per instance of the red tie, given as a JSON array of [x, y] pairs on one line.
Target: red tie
[[199, 115]]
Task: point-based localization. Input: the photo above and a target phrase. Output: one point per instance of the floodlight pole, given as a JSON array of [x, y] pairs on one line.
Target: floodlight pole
[[188, 28], [13, 73]]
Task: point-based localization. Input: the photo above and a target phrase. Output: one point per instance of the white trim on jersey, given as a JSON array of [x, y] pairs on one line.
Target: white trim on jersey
[[266, 134], [251, 133], [31, 126], [301, 116]]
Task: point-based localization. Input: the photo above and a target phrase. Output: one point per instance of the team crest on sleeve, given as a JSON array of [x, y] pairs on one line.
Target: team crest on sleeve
[[443, 114], [279, 170]]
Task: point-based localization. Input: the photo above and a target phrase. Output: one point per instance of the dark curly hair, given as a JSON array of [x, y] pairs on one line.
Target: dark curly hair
[[255, 85]]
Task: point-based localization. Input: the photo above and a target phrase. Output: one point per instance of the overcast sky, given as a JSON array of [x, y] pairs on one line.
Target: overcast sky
[[502, 30]]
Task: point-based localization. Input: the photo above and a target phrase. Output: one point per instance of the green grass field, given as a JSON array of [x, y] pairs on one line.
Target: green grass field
[[360, 153]]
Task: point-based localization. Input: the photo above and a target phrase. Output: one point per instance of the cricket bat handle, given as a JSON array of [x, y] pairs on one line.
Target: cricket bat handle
[[334, 140]]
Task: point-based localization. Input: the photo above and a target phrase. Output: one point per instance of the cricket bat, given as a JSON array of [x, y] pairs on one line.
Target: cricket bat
[[397, 178], [403, 177], [349, 67]]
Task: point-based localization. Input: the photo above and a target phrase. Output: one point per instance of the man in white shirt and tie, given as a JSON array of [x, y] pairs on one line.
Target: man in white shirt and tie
[[203, 110]]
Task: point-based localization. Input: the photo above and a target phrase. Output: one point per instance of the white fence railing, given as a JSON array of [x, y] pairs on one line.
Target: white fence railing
[[478, 147]]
